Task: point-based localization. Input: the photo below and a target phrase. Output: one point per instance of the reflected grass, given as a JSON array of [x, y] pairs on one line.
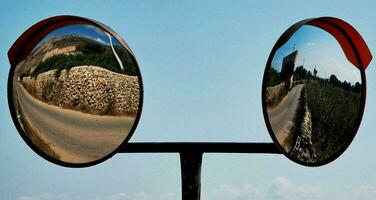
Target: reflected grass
[[334, 112]]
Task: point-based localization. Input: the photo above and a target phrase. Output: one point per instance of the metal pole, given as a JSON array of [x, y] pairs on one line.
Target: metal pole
[[190, 163]]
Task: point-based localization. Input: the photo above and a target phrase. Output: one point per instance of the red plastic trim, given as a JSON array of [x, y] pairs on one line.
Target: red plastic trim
[[349, 39]]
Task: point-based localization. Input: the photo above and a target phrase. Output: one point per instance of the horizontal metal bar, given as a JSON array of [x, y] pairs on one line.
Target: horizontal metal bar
[[204, 147]]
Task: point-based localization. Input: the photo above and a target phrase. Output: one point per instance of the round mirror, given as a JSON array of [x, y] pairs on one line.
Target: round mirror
[[313, 96], [77, 95]]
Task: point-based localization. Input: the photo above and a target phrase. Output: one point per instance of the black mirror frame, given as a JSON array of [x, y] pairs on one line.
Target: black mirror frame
[[358, 50], [24, 45]]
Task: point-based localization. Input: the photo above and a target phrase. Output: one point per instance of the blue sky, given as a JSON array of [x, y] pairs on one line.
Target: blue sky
[[202, 64], [88, 31], [318, 49]]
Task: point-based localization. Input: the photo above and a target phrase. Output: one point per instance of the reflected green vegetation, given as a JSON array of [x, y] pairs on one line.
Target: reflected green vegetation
[[88, 52], [325, 117], [334, 113], [274, 77]]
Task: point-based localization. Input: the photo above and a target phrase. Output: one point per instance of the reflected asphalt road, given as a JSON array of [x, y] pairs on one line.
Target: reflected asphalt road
[[74, 136], [281, 117]]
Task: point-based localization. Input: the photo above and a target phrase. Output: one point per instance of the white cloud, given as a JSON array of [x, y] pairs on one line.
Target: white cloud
[[280, 188], [228, 192], [142, 196], [281, 182], [100, 40], [117, 196], [47, 196], [310, 44], [96, 29], [169, 196]]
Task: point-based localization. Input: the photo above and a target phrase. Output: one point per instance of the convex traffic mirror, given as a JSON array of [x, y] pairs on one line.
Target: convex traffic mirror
[[314, 90], [75, 90]]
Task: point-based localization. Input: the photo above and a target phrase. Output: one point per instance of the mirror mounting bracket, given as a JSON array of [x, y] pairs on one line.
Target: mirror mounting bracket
[[191, 157]]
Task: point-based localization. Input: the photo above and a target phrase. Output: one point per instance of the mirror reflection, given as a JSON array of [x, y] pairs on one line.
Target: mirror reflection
[[313, 96], [77, 94]]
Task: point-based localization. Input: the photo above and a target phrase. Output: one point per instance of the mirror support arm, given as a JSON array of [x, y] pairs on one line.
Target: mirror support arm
[[191, 157], [203, 147]]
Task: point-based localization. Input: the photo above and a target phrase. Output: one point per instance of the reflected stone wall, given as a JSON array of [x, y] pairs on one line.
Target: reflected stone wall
[[89, 89], [275, 94]]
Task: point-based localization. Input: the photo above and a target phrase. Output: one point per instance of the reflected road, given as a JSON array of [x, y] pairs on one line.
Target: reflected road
[[74, 136], [281, 117]]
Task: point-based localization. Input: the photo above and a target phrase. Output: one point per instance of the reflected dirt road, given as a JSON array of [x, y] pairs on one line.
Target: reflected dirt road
[[74, 136], [281, 117]]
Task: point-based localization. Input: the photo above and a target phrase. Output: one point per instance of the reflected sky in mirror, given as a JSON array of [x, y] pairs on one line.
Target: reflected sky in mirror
[[85, 30], [318, 49]]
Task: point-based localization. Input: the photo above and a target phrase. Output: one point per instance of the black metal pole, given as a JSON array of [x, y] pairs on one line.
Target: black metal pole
[[190, 163]]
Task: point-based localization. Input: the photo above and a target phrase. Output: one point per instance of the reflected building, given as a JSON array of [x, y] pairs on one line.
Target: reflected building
[[288, 66]]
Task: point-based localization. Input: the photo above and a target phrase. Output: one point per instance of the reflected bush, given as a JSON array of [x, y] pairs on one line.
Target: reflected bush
[[87, 52], [105, 59]]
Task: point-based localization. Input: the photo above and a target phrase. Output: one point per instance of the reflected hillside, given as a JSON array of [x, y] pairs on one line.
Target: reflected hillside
[[65, 52], [80, 73]]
